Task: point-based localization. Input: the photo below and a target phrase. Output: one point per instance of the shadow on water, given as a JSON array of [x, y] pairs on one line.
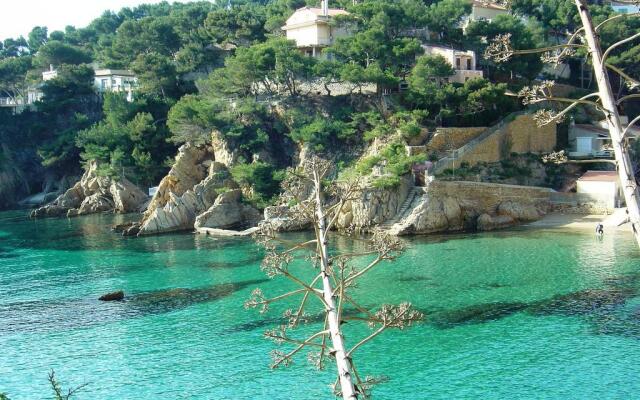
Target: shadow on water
[[235, 264], [603, 309], [33, 316]]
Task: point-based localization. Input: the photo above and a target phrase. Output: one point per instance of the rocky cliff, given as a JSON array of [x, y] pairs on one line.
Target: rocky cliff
[[373, 206], [93, 194], [442, 207], [457, 206], [13, 184], [198, 192]]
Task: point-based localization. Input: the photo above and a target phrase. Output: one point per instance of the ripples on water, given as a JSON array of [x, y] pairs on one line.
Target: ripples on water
[[526, 314]]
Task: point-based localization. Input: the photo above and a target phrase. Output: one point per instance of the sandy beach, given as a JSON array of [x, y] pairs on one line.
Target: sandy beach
[[557, 220]]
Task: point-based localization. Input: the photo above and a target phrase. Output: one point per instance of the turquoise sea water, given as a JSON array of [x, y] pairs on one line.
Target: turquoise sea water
[[510, 315]]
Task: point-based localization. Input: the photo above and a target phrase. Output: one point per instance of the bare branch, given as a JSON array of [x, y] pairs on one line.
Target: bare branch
[[631, 82], [501, 50], [544, 117], [286, 358], [628, 97], [618, 44], [633, 122]]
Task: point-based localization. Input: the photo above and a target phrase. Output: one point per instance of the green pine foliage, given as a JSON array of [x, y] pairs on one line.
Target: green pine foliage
[[226, 68]]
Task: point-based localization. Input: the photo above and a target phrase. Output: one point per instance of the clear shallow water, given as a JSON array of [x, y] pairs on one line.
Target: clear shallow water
[[526, 314]]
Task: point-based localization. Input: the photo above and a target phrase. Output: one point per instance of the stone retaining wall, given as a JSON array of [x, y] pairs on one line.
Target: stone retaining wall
[[452, 138], [521, 135], [489, 195]]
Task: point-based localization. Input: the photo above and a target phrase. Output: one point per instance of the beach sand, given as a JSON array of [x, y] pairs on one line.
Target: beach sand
[[556, 220]]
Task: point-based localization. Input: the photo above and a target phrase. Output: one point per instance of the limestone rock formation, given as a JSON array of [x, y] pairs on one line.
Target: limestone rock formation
[[227, 212], [488, 222], [94, 194], [373, 206], [174, 208], [519, 211], [188, 170], [457, 206], [222, 151]]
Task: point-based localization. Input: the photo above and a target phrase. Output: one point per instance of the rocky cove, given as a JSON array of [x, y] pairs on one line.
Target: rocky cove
[[199, 192]]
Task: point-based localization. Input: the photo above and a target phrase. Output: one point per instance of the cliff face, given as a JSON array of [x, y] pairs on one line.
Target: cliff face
[[93, 194], [13, 184], [457, 206], [198, 192], [373, 206], [442, 207]]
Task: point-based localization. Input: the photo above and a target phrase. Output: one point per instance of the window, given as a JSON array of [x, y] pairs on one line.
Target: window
[[457, 62], [104, 83], [468, 63]]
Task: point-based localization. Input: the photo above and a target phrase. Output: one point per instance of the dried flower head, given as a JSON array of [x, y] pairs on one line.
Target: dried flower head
[[275, 263], [280, 358], [500, 49], [400, 316], [256, 299], [545, 117], [277, 334], [557, 57], [388, 246], [558, 157], [536, 93]]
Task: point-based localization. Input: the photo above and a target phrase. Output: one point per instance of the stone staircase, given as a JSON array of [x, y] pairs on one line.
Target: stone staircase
[[415, 192], [448, 162]]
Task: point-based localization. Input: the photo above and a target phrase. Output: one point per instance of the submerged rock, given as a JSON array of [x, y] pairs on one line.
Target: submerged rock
[[114, 296]]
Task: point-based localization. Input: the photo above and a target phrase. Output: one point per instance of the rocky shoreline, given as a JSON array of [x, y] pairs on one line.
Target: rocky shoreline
[[94, 194], [199, 193]]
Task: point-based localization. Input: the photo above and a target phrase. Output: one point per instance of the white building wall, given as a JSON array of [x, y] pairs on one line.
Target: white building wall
[[606, 192], [467, 66]]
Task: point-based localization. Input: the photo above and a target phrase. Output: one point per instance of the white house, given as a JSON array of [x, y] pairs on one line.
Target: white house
[[116, 80], [312, 28], [463, 62], [589, 141], [602, 187], [106, 80], [483, 11]]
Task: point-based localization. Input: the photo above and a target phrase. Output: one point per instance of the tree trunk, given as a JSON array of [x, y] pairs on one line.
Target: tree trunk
[[625, 169], [342, 361]]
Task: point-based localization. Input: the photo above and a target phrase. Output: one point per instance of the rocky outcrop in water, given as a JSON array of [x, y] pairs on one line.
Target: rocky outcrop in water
[[114, 296], [228, 212], [457, 206], [373, 206], [94, 194], [180, 211], [198, 192]]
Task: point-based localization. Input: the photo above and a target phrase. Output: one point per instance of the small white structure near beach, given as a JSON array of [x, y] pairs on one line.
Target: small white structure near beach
[[602, 186]]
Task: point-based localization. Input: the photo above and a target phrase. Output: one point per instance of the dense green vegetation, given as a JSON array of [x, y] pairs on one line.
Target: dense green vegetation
[[226, 67]]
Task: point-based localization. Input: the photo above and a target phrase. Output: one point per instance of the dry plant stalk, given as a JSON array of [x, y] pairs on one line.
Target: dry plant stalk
[[330, 289]]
